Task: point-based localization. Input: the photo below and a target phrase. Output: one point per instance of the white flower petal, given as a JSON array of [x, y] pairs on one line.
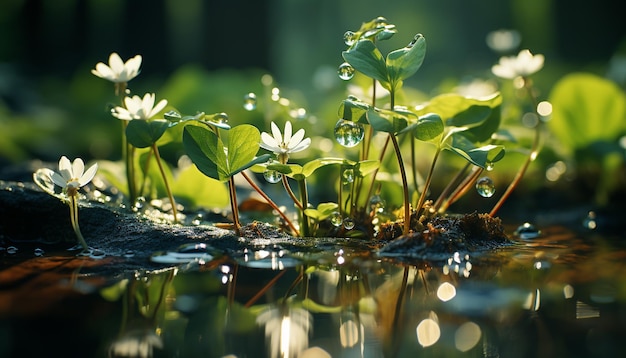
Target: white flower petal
[[78, 167], [89, 174], [121, 113], [116, 63], [268, 142], [287, 133], [278, 137], [296, 139], [301, 146], [103, 71], [158, 108], [65, 168], [58, 180]]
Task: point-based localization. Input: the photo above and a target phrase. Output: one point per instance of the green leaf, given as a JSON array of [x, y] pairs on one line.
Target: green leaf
[[450, 104], [480, 156], [365, 57], [142, 134], [586, 109], [353, 110], [473, 116], [404, 62], [199, 190], [243, 145], [428, 127], [387, 121], [315, 164], [323, 211], [206, 151], [366, 167]]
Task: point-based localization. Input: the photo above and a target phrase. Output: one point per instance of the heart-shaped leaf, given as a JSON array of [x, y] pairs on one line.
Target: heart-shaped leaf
[[142, 134], [365, 57]]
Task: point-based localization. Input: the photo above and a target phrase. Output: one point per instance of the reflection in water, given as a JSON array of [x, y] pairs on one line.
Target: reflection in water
[[553, 295]]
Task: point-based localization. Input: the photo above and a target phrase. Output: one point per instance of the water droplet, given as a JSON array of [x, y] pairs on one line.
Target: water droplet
[[346, 71], [220, 118], [381, 21], [590, 221], [140, 203], [336, 219], [349, 133], [377, 204], [272, 176], [485, 187], [414, 41], [184, 254], [349, 38], [348, 176], [348, 223], [39, 252], [527, 231], [249, 101], [129, 253], [11, 250], [489, 166], [172, 115]]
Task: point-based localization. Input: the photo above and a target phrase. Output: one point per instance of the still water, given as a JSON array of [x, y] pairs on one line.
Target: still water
[[561, 294]]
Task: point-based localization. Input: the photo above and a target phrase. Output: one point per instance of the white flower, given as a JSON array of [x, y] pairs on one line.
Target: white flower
[[525, 64], [282, 145], [117, 71], [73, 175], [138, 108]]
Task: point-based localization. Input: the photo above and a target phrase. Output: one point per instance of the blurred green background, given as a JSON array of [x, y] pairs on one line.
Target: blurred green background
[[205, 55]]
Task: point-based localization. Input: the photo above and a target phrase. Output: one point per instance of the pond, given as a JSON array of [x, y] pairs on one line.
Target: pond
[[558, 294]]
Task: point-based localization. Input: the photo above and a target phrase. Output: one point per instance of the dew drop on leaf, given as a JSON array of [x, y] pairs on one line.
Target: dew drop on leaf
[[272, 176], [349, 133], [485, 187], [345, 71], [349, 38], [249, 101], [348, 223], [348, 176], [336, 219]]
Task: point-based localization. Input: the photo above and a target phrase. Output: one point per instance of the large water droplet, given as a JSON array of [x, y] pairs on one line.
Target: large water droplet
[[349, 38], [485, 187], [336, 219], [349, 133], [348, 176], [527, 231], [414, 41], [346, 71], [377, 204], [249, 101], [272, 176], [349, 223]]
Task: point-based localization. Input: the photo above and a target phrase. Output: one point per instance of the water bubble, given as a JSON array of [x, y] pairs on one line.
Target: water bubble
[[172, 116], [39, 252], [346, 71], [527, 231], [336, 219], [11, 250], [249, 101], [381, 21], [414, 41], [272, 176], [485, 187], [129, 253], [348, 176], [377, 204], [349, 38], [590, 221], [489, 166], [349, 133], [221, 117], [349, 223], [140, 203]]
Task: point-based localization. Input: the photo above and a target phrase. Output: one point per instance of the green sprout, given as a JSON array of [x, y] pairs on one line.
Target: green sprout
[[70, 178]]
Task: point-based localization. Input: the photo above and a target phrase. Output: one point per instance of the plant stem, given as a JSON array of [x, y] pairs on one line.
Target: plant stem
[[534, 150], [155, 150], [405, 186], [291, 194], [380, 160], [448, 189], [429, 178], [129, 158], [463, 188], [304, 197], [74, 221], [233, 204], [271, 203]]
